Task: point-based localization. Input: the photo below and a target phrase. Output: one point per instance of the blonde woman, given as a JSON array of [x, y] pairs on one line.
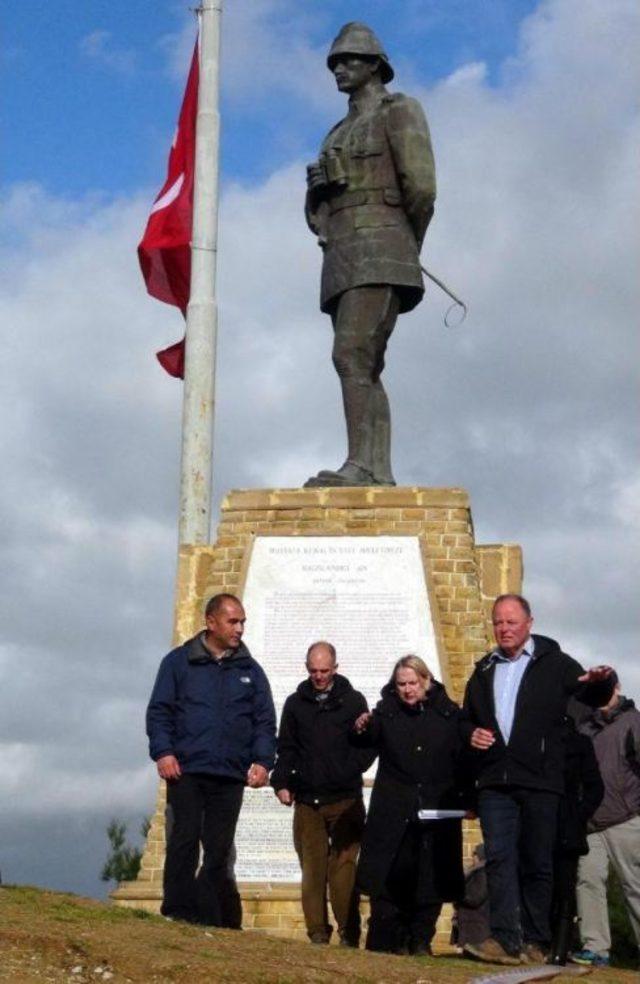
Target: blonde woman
[[409, 866]]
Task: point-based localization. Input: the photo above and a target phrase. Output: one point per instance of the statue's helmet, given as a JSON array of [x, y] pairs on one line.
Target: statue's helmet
[[355, 38]]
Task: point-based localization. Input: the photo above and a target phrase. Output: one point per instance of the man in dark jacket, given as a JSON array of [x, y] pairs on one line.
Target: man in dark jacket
[[211, 727], [319, 772], [517, 699], [614, 829]]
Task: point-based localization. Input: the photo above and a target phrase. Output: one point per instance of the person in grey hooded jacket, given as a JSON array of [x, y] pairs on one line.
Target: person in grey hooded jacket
[[614, 829]]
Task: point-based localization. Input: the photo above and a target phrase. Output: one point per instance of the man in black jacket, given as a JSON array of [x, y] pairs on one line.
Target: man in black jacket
[[319, 772], [517, 699]]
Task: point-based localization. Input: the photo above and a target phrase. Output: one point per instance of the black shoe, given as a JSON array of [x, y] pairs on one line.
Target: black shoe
[[420, 949]]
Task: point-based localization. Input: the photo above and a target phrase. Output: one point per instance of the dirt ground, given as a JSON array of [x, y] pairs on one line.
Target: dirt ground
[[52, 937]]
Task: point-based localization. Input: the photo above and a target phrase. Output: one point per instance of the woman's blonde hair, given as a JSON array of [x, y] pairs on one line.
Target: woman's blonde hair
[[414, 663]]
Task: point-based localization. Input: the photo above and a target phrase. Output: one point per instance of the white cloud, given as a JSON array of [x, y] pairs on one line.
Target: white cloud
[[98, 47]]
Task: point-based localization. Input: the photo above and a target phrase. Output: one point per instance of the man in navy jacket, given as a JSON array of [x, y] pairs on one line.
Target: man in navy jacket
[[211, 726]]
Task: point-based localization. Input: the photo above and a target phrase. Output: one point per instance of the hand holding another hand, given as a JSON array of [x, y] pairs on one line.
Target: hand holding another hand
[[168, 767], [257, 776], [482, 739], [361, 723]]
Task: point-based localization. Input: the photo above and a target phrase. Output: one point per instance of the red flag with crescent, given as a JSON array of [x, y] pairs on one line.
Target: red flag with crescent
[[165, 249]]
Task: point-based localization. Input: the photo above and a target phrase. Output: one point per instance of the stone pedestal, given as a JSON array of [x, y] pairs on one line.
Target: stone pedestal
[[462, 580]]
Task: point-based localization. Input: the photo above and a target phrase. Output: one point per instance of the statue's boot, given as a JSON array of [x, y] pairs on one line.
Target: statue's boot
[[348, 474], [358, 411], [381, 437]]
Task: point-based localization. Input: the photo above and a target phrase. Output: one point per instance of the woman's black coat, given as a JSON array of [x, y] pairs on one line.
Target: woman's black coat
[[419, 750]]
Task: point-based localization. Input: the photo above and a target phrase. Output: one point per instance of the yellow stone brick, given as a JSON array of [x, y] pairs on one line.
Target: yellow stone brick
[[385, 514], [266, 920], [442, 565], [452, 497], [313, 513], [460, 553], [459, 526], [413, 513], [457, 514], [408, 526], [433, 552], [221, 565], [362, 525], [295, 498], [245, 499]]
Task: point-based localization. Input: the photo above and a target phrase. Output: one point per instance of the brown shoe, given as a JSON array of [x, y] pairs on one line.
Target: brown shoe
[[491, 952], [533, 954]]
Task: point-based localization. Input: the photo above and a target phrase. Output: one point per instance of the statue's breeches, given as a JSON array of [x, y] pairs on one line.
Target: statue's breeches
[[363, 322]]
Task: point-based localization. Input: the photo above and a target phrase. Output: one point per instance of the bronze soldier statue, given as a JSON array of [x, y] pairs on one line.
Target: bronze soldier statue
[[369, 201]]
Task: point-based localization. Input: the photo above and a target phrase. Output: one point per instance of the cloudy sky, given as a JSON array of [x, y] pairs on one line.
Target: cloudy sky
[[531, 405]]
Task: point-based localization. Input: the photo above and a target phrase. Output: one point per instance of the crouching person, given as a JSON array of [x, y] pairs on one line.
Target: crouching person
[[409, 866], [319, 772]]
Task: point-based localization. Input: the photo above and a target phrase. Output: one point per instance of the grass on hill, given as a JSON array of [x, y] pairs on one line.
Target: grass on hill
[[52, 937]]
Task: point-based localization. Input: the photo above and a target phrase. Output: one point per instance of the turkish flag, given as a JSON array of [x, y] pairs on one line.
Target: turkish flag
[[165, 249]]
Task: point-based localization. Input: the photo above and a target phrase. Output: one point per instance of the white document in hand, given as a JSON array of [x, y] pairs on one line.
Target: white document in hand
[[440, 814]]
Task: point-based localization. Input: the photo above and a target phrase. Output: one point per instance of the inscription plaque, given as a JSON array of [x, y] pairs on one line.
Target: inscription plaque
[[366, 595]]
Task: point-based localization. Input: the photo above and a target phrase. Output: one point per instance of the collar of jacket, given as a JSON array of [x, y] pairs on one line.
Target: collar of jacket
[[601, 720], [542, 646], [340, 686], [197, 652]]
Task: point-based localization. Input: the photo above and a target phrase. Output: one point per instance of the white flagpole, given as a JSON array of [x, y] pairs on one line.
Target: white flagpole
[[202, 312]]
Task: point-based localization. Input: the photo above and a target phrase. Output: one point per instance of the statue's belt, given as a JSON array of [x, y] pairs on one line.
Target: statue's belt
[[365, 196]]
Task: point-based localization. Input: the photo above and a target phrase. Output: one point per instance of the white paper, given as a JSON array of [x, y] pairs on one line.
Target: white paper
[[440, 814]]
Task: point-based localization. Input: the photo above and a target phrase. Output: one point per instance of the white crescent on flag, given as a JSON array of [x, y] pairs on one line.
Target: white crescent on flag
[[170, 194]]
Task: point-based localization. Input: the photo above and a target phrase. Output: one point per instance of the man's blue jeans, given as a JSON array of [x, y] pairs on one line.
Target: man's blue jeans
[[519, 828]]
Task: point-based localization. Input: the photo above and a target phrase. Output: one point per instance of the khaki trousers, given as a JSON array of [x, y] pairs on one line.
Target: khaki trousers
[[620, 846], [327, 840]]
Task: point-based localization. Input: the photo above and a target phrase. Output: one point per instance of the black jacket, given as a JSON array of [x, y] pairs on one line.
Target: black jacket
[[534, 756], [419, 750], [584, 790], [315, 758]]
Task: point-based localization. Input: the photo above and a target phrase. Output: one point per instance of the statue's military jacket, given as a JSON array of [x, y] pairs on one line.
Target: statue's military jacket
[[373, 213]]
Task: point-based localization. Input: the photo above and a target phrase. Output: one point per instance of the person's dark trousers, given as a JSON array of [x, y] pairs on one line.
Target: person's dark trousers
[[229, 896], [563, 906], [519, 829], [404, 916], [200, 809]]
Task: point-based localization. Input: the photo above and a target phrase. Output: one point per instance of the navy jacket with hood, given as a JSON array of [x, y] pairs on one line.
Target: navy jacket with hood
[[215, 716]]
